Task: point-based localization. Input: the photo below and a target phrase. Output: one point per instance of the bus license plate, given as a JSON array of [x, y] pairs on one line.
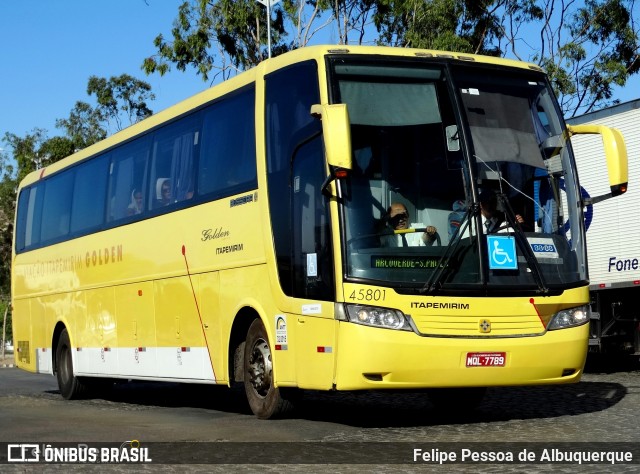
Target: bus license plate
[[486, 359]]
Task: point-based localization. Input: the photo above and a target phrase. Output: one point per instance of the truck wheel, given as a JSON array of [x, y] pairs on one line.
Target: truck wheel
[[71, 387], [264, 398]]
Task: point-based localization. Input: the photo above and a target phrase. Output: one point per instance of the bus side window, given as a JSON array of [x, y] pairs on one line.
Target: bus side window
[[128, 171], [228, 158], [89, 194], [174, 152], [56, 213], [29, 217]]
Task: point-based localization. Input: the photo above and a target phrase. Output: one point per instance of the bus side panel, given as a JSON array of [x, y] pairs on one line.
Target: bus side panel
[[245, 292], [316, 352], [136, 330], [181, 347], [209, 303], [94, 336], [41, 332], [24, 352]]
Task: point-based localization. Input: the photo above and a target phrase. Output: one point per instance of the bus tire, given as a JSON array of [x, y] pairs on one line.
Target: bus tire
[[265, 399], [71, 387]]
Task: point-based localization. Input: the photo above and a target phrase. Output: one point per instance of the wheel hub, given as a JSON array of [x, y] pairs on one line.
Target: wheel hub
[[260, 367]]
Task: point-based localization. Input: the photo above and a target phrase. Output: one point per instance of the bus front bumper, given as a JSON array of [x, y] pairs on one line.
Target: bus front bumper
[[373, 358]]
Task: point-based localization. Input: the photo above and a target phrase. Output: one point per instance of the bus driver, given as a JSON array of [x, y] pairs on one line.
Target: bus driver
[[397, 218]]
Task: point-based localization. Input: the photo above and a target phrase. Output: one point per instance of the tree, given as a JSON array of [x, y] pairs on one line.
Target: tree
[[588, 50], [467, 26], [118, 95], [7, 208], [228, 36], [234, 26], [31, 152], [84, 126], [587, 47]]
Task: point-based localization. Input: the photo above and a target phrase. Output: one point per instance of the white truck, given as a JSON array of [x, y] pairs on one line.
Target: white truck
[[613, 233]]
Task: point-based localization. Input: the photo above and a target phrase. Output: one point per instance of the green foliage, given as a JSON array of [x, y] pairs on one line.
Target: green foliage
[[7, 208], [467, 26], [4, 302], [602, 51], [28, 151], [237, 27], [587, 47], [119, 94], [84, 125]]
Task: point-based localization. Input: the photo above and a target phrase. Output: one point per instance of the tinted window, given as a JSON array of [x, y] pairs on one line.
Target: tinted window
[[312, 257], [29, 216], [149, 172], [290, 93], [127, 175], [228, 158], [89, 195], [22, 221], [174, 152], [56, 212]]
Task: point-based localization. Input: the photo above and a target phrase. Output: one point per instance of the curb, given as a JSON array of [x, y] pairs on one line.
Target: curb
[[6, 366]]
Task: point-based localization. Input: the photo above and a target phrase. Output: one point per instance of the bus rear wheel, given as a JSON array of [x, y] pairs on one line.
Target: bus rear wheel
[[265, 399], [71, 387]]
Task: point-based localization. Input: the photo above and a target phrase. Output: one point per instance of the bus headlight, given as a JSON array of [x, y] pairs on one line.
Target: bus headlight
[[377, 317], [568, 318]]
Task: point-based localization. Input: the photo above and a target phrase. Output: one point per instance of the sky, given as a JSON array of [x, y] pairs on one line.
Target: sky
[[50, 48]]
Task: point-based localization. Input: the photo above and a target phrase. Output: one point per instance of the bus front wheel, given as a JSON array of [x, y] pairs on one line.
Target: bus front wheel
[[71, 387], [265, 399]]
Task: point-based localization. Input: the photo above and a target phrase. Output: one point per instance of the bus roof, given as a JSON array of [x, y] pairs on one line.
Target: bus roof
[[246, 77]]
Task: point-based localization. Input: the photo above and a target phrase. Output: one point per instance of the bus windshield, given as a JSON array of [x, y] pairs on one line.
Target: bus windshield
[[462, 179]]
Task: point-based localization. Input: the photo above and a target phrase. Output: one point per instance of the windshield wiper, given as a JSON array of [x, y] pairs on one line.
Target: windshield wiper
[[434, 282]]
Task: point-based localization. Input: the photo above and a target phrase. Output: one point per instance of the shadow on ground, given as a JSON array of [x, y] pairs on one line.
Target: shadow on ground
[[384, 408]]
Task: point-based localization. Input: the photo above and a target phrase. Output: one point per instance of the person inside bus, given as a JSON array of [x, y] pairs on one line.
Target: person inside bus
[[397, 218], [493, 220], [163, 192], [135, 206]]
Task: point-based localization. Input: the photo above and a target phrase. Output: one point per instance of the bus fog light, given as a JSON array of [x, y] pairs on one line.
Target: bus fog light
[[572, 317], [377, 317]]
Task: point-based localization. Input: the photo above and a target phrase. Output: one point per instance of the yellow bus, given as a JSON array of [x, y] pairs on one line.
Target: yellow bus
[[249, 235]]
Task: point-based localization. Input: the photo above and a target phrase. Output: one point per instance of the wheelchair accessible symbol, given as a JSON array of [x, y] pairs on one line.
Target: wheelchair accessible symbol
[[502, 252]]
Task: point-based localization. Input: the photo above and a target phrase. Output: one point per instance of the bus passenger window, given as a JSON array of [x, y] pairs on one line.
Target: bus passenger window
[[89, 195], [172, 171], [228, 158], [56, 213], [128, 171]]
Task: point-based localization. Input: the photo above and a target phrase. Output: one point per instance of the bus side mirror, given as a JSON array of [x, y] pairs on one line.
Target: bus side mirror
[[615, 153], [336, 130]]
